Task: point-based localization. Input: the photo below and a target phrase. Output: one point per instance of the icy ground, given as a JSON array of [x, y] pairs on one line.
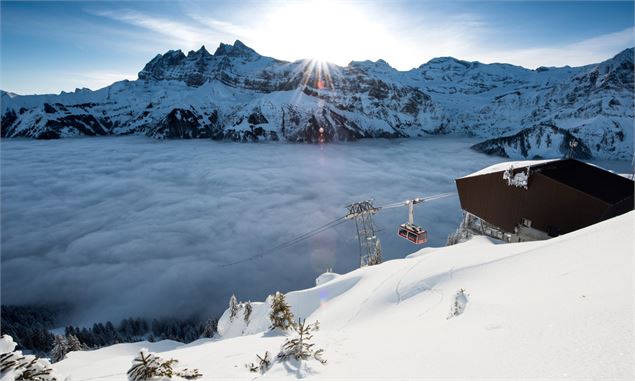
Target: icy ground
[[560, 309], [130, 226]]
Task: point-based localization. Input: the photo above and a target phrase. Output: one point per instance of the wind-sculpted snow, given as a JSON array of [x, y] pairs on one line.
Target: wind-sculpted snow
[[555, 309], [237, 94]]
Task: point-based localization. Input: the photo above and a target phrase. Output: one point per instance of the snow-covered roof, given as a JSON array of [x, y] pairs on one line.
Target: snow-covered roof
[[506, 165]]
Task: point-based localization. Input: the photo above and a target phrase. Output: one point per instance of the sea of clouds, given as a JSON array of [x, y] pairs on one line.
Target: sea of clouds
[[129, 226]]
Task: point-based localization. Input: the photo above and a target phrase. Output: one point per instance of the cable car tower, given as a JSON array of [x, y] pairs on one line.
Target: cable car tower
[[369, 245]]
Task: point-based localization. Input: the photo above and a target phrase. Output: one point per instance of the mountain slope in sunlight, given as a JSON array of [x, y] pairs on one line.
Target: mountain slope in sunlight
[[237, 94]]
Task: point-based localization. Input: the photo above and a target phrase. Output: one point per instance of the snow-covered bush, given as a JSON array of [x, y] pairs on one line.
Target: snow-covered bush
[[461, 234], [16, 366], [264, 363], [188, 374], [280, 316], [300, 347], [458, 306], [148, 365]]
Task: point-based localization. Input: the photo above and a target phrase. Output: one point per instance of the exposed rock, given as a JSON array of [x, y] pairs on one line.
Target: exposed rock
[[181, 124], [535, 143], [237, 94]]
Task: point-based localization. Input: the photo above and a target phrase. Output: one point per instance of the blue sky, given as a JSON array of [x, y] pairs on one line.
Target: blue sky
[[52, 46]]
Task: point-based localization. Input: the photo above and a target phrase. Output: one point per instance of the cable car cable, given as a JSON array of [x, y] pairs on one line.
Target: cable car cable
[[290, 242], [420, 199], [322, 228]]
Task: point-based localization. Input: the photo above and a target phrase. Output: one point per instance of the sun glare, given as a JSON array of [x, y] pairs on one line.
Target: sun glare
[[322, 31]]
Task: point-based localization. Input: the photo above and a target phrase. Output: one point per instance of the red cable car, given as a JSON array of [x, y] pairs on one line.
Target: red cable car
[[413, 233], [409, 230]]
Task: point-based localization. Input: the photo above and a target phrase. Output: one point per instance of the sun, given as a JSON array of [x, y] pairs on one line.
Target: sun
[[323, 31], [319, 74]]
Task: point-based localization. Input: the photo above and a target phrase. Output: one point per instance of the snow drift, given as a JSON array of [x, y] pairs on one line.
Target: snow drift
[[561, 308]]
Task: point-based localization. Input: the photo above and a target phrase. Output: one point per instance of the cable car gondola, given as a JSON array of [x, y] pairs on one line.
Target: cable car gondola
[[410, 231]]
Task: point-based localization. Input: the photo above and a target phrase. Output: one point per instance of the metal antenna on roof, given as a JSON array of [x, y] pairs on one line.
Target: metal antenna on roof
[[572, 145]]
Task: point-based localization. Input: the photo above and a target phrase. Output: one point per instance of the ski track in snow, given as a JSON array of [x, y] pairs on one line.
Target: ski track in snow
[[370, 295], [555, 309]]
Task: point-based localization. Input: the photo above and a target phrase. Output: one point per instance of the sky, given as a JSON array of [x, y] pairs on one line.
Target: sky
[[48, 47]]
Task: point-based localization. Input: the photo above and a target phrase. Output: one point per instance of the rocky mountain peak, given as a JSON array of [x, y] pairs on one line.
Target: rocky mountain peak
[[202, 52], [173, 57], [238, 49], [239, 95], [625, 55]]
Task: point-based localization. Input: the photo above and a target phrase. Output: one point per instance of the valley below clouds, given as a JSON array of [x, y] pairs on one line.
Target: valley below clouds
[[130, 226]]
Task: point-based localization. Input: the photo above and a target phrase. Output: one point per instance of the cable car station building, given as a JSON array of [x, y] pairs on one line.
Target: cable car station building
[[535, 200]]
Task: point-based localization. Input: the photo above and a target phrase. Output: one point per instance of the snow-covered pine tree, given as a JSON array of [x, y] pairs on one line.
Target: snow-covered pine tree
[[210, 328], [73, 344], [280, 316], [233, 307], [16, 366], [248, 310], [300, 348], [60, 348], [376, 258]]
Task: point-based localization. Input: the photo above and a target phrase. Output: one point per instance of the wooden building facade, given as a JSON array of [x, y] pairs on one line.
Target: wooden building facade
[[554, 197]]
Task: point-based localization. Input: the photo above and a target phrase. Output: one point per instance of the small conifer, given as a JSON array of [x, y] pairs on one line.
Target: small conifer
[[74, 344], [148, 365], [60, 348], [233, 307], [300, 347], [16, 366], [376, 258], [264, 363], [280, 316], [248, 310], [210, 327]]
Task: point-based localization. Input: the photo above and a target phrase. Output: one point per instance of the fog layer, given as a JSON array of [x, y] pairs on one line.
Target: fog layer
[[133, 226]]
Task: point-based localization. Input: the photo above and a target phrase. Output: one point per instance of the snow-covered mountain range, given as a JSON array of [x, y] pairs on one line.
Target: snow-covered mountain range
[[240, 95]]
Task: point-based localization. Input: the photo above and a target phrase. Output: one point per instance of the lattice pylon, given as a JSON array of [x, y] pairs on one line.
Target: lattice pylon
[[363, 212]]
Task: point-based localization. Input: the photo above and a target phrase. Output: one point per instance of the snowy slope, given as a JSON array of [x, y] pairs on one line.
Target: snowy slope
[[556, 309], [240, 95]]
